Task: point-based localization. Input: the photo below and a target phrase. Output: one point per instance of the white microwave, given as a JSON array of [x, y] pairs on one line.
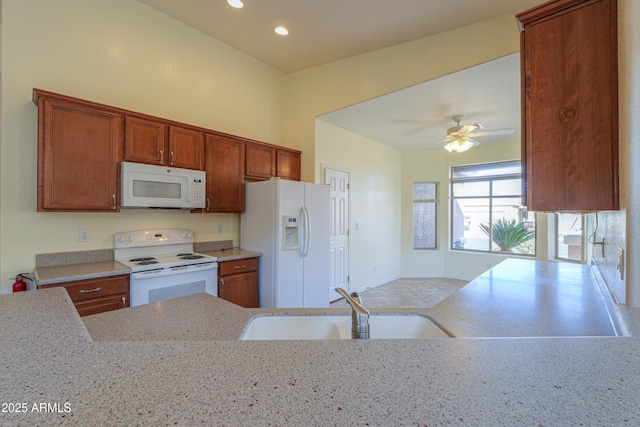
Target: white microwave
[[152, 186]]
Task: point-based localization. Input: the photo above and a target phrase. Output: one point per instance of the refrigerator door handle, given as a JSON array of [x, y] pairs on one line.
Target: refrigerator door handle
[[302, 233], [306, 227]]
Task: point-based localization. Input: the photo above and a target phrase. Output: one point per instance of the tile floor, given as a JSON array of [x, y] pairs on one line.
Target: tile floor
[[407, 293]]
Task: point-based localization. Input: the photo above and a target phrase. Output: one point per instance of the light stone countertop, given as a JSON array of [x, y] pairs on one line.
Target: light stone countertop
[[72, 272], [200, 374], [92, 270], [232, 254]]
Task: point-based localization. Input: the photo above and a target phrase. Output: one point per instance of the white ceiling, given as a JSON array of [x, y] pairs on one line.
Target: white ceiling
[[412, 118], [322, 31]]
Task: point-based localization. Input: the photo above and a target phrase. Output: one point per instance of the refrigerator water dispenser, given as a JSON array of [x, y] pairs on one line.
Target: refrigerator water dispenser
[[291, 239]]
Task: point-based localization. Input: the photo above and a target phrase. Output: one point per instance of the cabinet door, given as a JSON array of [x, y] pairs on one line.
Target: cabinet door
[[570, 114], [186, 148], [78, 150], [224, 164], [144, 141], [260, 161], [98, 295], [102, 305], [288, 165], [240, 289]]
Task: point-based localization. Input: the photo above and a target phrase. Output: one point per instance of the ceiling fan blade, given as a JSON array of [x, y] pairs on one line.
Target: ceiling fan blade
[[442, 141], [467, 129], [467, 138], [492, 132]]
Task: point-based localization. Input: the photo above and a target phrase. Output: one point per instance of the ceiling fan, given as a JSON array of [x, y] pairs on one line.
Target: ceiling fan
[[460, 138]]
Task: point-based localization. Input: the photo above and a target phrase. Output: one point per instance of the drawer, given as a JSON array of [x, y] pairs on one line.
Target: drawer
[[227, 268], [101, 305], [82, 290]]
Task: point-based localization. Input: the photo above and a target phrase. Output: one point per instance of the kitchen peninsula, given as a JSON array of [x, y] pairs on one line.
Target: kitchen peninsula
[[184, 365]]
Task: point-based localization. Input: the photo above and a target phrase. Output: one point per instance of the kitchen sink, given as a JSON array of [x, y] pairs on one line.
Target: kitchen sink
[[339, 327]]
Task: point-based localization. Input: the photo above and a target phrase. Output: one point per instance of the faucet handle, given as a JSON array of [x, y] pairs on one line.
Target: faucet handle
[[356, 297]]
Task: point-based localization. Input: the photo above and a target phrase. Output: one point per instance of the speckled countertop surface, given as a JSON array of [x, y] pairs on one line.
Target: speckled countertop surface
[[89, 270], [92, 270], [200, 374], [232, 254]]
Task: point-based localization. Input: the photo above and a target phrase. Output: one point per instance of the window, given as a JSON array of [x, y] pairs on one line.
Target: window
[[486, 210], [425, 204], [569, 236]]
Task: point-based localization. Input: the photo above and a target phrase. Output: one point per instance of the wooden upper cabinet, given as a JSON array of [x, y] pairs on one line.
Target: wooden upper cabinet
[[157, 143], [260, 161], [265, 162], [288, 165], [224, 164], [570, 105], [145, 141], [78, 153], [186, 148]]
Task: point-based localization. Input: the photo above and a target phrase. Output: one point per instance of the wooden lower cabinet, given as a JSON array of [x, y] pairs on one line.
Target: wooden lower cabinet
[[99, 295], [238, 282]]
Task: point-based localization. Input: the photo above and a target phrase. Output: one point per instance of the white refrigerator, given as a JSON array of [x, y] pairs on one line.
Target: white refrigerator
[[289, 223]]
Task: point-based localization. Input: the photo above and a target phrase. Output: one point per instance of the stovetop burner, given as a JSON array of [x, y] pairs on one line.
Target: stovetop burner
[[148, 258], [152, 250]]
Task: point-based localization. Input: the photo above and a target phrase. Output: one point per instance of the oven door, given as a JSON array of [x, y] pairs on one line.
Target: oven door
[[158, 285]]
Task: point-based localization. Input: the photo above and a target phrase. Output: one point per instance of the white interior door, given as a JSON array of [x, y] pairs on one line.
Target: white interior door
[[338, 181]]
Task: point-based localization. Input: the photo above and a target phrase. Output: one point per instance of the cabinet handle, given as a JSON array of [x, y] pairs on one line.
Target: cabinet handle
[[208, 204], [124, 302], [113, 196], [240, 266], [172, 157], [222, 283], [161, 157], [86, 291]]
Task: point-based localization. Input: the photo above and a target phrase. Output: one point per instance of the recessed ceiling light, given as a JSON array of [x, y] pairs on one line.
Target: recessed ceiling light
[[282, 31], [235, 3]]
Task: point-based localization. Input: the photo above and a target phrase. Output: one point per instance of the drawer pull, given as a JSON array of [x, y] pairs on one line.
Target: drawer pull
[[240, 266], [222, 283], [86, 291]]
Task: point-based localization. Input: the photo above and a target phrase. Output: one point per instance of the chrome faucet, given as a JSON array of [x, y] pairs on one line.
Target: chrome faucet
[[359, 315]]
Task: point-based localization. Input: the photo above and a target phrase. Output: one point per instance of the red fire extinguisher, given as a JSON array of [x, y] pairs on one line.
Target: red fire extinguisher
[[19, 285]]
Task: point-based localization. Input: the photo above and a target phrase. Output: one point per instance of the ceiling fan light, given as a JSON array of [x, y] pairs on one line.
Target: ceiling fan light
[[458, 145], [465, 146], [235, 3]]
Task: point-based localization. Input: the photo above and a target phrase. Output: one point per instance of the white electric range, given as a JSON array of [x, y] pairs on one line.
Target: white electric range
[[163, 265]]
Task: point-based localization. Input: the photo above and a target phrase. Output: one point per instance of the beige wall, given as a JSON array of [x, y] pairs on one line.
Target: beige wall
[[122, 53], [375, 194]]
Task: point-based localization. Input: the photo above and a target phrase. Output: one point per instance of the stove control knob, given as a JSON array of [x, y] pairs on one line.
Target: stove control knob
[[129, 238]]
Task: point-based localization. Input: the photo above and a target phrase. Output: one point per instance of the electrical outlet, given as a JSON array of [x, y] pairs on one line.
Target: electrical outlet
[[219, 229], [84, 235]]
